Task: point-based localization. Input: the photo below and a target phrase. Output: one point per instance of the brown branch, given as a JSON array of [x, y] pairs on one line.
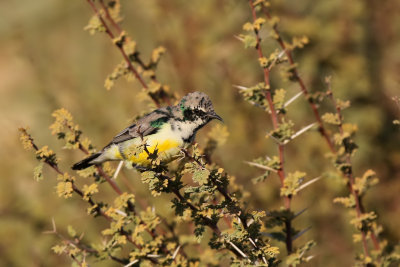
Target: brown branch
[[241, 214], [275, 122], [350, 180], [109, 18], [322, 129], [303, 87], [120, 47], [136, 55], [55, 167], [77, 243], [207, 221]]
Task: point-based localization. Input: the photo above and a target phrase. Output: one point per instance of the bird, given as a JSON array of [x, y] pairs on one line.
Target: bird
[[166, 131]]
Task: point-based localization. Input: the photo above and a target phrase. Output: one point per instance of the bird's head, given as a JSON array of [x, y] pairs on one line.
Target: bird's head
[[197, 108]]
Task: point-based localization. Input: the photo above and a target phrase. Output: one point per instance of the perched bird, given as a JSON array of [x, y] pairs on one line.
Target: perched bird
[[166, 130]]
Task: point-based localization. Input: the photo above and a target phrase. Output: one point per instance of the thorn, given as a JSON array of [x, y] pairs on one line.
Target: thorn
[[276, 59], [53, 222], [267, 234], [307, 184], [176, 252], [131, 263], [260, 166], [237, 249], [276, 140], [292, 99], [52, 231], [300, 132], [300, 212], [120, 212], [283, 52], [300, 233], [264, 259], [252, 242], [81, 236], [153, 256], [238, 38], [309, 258], [240, 87], [118, 170]]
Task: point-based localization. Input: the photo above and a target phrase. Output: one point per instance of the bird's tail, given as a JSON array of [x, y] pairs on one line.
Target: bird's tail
[[87, 162]]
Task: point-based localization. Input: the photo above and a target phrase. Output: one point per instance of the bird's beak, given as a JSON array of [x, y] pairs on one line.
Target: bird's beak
[[214, 115]]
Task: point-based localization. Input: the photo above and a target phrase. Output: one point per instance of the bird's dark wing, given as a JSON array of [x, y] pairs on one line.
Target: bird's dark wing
[[149, 124]]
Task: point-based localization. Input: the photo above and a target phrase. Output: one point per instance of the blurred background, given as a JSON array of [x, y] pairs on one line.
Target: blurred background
[[48, 61]]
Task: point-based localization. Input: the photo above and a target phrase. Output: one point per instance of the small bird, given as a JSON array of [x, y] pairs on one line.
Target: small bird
[[166, 130]]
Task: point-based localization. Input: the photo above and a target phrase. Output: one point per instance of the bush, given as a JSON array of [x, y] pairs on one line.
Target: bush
[[216, 220]]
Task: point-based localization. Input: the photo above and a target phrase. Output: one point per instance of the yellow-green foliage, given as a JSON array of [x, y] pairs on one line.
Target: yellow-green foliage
[[202, 209]]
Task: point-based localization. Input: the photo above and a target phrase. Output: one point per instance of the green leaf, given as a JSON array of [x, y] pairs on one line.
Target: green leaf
[[292, 183], [58, 249], [37, 172], [201, 176], [298, 256], [368, 180], [71, 231], [331, 118], [348, 202], [342, 104], [279, 98], [249, 41], [94, 25], [364, 221], [199, 231], [284, 132]]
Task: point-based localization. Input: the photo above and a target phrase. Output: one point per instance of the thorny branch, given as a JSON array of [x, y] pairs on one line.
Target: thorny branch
[[92, 203], [275, 122], [350, 180], [359, 207], [227, 196]]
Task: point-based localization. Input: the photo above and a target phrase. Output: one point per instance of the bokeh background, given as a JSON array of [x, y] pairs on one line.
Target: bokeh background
[[48, 61]]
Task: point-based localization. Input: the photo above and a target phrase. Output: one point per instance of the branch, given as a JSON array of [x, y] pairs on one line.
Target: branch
[[301, 83], [275, 123], [349, 175]]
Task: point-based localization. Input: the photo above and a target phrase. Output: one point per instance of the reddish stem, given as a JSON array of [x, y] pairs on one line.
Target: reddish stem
[[120, 47], [359, 208], [323, 131], [302, 85], [275, 123]]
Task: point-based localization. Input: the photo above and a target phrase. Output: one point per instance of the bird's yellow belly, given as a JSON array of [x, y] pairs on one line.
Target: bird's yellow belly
[[133, 150], [165, 141], [166, 149]]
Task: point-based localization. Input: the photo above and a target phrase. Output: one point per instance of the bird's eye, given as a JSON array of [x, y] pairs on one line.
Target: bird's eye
[[200, 113], [193, 114], [188, 114]]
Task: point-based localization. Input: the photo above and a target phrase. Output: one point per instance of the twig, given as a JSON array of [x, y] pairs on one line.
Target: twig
[[349, 174], [301, 83], [109, 32], [322, 129], [275, 123]]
